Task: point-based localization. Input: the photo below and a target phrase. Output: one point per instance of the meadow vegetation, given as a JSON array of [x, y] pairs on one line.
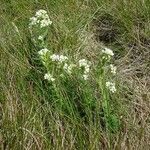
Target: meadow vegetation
[[77, 79]]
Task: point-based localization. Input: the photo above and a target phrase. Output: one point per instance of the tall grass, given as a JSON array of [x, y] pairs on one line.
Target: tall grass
[[72, 115]]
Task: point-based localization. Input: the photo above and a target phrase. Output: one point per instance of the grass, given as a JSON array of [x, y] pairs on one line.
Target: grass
[[31, 115]]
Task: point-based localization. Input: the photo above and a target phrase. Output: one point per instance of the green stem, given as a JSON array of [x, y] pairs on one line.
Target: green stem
[[105, 105]]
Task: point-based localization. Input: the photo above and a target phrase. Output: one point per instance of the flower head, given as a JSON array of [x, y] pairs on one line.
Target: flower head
[[40, 38], [43, 51], [41, 13], [86, 65], [41, 18], [54, 57], [63, 58], [85, 76], [49, 77], [113, 69], [111, 86], [83, 62], [59, 58], [108, 51], [33, 21], [45, 23]]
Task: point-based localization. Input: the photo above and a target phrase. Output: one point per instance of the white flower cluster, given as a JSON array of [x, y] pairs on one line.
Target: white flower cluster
[[68, 68], [49, 77], [108, 52], [111, 86], [43, 52], [113, 69], [86, 64], [59, 58], [40, 38], [41, 18]]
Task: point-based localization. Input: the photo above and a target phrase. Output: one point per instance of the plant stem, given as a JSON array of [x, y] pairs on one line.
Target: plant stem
[[105, 106]]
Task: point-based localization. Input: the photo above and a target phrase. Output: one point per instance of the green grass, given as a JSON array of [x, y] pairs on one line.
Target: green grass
[[31, 113]]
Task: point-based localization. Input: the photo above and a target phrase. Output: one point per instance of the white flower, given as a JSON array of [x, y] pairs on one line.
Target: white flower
[[86, 64], [85, 76], [87, 69], [83, 62], [45, 23], [33, 21], [41, 18], [49, 77], [54, 57], [108, 51], [40, 37], [43, 52], [111, 86], [59, 58], [40, 13], [63, 58], [113, 69]]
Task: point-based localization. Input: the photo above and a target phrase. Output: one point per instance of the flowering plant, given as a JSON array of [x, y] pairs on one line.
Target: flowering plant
[[61, 67]]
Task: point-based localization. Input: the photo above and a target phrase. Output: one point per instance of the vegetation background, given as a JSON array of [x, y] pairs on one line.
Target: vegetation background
[[29, 118]]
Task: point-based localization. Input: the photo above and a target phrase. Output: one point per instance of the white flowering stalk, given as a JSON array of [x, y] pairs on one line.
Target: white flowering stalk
[[105, 70], [86, 65], [49, 77], [113, 69], [41, 18], [58, 58], [111, 86]]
